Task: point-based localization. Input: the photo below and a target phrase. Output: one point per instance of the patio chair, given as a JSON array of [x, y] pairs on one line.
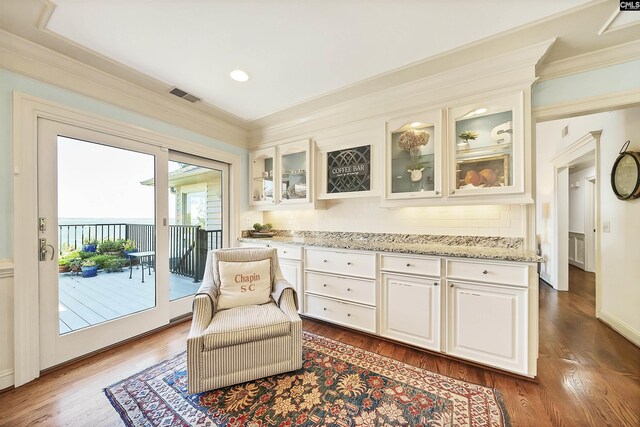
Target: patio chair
[[239, 344]]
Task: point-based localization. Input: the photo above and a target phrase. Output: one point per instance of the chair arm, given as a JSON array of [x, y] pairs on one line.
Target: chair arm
[[203, 310], [288, 305], [279, 286]]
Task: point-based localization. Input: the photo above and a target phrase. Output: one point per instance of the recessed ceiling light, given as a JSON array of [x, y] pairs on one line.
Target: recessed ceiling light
[[480, 110], [239, 75]]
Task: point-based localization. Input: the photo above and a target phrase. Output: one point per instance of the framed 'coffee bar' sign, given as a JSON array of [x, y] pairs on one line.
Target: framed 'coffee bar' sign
[[349, 170]]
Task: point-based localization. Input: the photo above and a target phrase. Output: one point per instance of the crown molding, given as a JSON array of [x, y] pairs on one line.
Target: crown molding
[[590, 61], [590, 105], [35, 61], [500, 73]]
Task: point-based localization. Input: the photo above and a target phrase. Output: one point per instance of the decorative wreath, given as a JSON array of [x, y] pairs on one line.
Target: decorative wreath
[[412, 139]]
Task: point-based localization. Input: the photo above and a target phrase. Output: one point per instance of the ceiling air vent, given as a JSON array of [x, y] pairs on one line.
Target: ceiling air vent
[[184, 95]]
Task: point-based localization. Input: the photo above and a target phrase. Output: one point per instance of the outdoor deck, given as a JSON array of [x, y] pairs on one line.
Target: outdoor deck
[[88, 301]]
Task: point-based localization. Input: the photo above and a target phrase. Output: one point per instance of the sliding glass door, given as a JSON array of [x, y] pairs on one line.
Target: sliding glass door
[[198, 218], [118, 257]]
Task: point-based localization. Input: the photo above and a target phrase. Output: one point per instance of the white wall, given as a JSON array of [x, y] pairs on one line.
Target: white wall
[[577, 195], [365, 215], [620, 250]]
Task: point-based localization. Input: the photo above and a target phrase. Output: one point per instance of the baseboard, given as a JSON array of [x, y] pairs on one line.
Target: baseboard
[[6, 268], [621, 327], [6, 379], [546, 278], [578, 264]]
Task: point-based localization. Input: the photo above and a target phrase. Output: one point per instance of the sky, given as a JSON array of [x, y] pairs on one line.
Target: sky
[[98, 181]]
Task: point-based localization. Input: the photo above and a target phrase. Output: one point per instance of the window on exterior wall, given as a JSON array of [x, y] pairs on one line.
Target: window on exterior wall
[[195, 208]]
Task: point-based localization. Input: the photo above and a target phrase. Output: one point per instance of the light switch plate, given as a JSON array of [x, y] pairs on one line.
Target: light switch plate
[[606, 227]]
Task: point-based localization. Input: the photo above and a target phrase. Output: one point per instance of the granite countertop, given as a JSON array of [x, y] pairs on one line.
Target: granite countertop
[[475, 250]]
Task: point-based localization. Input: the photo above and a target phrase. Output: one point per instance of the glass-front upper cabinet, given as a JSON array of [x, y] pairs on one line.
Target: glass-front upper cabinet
[[294, 164], [262, 177], [485, 145], [413, 156]]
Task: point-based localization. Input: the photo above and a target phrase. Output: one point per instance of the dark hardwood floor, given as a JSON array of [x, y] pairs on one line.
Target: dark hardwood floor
[[588, 375]]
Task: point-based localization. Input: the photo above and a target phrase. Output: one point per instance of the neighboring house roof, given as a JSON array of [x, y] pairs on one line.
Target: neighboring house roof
[[187, 175]]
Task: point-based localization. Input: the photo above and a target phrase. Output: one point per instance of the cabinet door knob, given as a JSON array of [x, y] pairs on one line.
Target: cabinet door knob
[[325, 285], [408, 265], [484, 271], [284, 252], [324, 260], [436, 284], [325, 309], [453, 191], [349, 314], [348, 289], [348, 263], [437, 192], [451, 285]]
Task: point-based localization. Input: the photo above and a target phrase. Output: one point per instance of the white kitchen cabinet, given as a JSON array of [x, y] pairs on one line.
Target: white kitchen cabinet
[[262, 172], [414, 156], [486, 147], [485, 311], [488, 324], [340, 287], [410, 310], [282, 177]]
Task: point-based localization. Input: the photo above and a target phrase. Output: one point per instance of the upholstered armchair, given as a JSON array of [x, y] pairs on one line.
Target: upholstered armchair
[[239, 344]]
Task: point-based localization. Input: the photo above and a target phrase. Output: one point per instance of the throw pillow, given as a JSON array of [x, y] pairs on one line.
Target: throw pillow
[[244, 283]]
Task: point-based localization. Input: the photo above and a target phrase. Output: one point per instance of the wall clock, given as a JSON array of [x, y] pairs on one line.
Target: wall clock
[[625, 174]]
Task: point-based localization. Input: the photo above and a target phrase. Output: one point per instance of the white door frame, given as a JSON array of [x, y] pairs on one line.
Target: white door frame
[[561, 162], [590, 226], [26, 111]]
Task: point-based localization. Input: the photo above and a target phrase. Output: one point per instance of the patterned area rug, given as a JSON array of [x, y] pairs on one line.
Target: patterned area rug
[[339, 385]]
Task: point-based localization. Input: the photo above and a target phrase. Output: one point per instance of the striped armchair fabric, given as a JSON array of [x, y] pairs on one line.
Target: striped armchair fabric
[[240, 344]]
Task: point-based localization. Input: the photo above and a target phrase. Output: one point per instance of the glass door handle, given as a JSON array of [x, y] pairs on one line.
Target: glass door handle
[[43, 250]]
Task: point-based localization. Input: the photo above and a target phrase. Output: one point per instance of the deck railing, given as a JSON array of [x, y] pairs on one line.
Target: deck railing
[[188, 244]]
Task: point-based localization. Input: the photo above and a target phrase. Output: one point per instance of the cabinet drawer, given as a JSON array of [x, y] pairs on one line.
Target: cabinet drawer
[[506, 274], [408, 265], [348, 288], [349, 263], [344, 313], [252, 245], [289, 252]]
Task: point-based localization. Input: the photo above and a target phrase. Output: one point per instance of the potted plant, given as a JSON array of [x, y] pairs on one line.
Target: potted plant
[[63, 265], [89, 268], [111, 247], [75, 265], [465, 137], [130, 247], [90, 245]]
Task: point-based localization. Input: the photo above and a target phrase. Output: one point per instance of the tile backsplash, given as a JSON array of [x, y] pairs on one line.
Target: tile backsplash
[[365, 215]]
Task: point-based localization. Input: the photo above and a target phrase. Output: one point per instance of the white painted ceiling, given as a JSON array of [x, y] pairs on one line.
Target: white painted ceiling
[[294, 50]]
